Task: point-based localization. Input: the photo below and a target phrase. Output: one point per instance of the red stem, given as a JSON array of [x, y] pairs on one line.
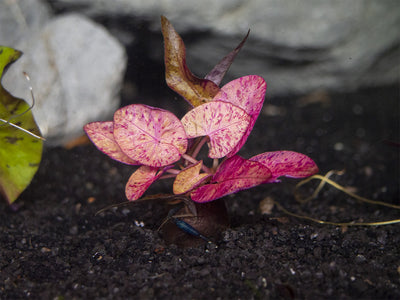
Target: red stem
[[199, 145], [194, 161]]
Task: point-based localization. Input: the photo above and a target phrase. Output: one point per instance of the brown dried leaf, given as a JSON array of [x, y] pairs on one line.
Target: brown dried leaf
[[179, 78]]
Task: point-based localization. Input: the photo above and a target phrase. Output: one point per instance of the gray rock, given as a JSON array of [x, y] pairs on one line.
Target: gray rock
[[76, 71], [20, 19], [297, 46]]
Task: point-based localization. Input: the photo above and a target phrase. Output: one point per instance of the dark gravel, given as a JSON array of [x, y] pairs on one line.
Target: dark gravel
[[55, 247]]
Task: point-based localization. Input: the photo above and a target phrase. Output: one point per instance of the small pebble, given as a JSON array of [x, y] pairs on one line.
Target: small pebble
[[360, 258]]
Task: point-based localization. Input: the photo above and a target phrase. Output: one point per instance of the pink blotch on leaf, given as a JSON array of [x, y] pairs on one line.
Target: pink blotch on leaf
[[102, 136], [233, 175], [152, 136], [287, 163], [248, 93], [140, 181], [222, 122]]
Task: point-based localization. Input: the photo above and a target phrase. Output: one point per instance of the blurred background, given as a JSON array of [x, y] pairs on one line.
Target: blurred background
[[81, 54]]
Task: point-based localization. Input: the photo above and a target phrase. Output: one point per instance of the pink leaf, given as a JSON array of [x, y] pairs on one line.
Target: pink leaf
[[248, 93], [101, 134], [233, 175], [287, 163], [152, 136], [189, 178], [222, 122], [140, 181]]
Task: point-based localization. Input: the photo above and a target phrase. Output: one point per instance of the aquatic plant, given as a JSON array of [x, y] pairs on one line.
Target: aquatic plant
[[164, 146]]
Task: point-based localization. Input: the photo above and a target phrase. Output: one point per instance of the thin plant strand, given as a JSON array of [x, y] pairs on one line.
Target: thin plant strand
[[319, 187], [7, 122], [336, 223], [324, 180], [162, 197], [340, 188]]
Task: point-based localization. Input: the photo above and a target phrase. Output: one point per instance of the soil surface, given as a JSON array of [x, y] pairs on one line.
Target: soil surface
[[54, 246]]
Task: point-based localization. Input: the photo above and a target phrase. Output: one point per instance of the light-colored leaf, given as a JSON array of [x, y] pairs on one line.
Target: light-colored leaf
[[222, 122], [140, 181], [248, 93], [233, 175], [177, 74], [152, 136], [189, 178], [20, 152], [287, 163], [102, 135]]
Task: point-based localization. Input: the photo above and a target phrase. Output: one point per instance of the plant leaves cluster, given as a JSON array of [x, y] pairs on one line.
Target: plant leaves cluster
[[164, 146]]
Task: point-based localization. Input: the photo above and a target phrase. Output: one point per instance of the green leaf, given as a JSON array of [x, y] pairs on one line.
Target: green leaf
[[20, 152]]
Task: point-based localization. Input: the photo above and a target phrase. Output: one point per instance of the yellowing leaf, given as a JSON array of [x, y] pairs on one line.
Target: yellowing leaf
[[20, 152], [195, 90], [189, 178], [140, 181]]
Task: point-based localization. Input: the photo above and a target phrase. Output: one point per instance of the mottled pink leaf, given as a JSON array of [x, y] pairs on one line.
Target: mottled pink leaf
[[140, 181], [218, 72], [101, 134], [287, 163], [152, 136], [248, 93], [189, 178], [233, 175], [222, 122]]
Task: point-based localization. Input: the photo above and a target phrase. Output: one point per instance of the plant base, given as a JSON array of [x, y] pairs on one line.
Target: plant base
[[211, 220]]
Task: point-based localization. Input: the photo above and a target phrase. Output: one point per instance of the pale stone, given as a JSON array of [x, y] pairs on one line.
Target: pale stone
[[76, 69]]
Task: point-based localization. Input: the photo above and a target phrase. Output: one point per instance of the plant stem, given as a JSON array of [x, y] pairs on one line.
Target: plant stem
[[215, 163], [173, 171], [189, 158], [172, 174], [167, 176], [199, 145], [194, 161]]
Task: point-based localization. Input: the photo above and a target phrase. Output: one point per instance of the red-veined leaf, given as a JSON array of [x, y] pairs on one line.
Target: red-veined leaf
[[287, 163], [189, 178], [233, 175], [248, 93], [222, 122], [152, 136], [177, 74], [102, 136], [140, 181]]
